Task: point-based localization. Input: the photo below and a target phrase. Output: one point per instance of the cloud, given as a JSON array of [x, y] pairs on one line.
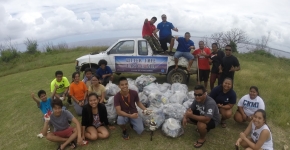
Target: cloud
[[50, 19]]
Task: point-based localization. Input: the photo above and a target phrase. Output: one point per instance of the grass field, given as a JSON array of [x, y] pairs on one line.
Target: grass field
[[21, 120]]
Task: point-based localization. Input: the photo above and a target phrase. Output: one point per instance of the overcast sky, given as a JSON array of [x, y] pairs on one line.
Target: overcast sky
[[77, 20]]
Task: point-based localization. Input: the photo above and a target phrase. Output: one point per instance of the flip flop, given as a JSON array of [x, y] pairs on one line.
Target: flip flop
[[73, 144], [201, 144], [237, 147], [58, 148]]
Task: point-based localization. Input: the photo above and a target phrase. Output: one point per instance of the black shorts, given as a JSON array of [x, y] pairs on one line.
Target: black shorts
[[164, 42], [210, 125], [106, 80], [203, 75]]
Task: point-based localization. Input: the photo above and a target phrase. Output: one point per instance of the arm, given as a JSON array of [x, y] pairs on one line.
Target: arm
[[146, 20], [244, 134], [103, 97], [45, 128], [78, 126], [155, 31], [71, 92], [54, 91], [203, 119], [228, 106], [122, 113], [176, 38], [140, 105], [265, 134], [35, 99]]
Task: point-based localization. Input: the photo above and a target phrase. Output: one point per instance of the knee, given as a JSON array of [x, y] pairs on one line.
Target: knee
[[106, 135], [227, 114], [201, 125], [93, 136], [238, 118], [49, 136], [139, 129]]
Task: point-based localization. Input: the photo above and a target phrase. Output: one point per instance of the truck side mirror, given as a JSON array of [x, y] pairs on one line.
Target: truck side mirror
[[108, 53]]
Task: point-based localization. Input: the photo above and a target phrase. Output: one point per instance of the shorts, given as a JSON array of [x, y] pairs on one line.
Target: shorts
[[210, 125], [186, 55], [106, 80], [64, 133], [213, 77], [203, 75], [137, 123], [164, 42]]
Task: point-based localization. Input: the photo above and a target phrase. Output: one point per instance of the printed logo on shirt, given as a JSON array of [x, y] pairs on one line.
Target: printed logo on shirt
[[209, 111], [60, 86], [256, 135], [227, 100], [250, 104], [200, 109]]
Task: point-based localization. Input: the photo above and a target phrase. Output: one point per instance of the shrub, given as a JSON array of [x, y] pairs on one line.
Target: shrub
[[9, 54], [31, 46]]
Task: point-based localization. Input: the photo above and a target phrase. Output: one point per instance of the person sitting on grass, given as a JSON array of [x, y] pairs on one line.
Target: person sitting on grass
[[261, 136], [78, 92], [88, 76], [98, 88], [183, 50], [94, 119], [63, 132], [104, 72], [225, 98], [63, 86], [248, 104], [203, 112], [125, 103]]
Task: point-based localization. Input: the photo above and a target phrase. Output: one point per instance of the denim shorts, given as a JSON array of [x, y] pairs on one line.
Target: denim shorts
[[186, 55]]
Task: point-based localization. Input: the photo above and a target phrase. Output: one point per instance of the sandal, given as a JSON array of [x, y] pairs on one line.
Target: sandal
[[224, 124], [73, 144], [58, 148], [201, 144], [125, 135]]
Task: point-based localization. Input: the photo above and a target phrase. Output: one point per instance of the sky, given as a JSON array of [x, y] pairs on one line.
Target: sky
[[71, 21]]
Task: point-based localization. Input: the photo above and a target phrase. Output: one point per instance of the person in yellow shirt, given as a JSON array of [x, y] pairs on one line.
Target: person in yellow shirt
[[62, 83]]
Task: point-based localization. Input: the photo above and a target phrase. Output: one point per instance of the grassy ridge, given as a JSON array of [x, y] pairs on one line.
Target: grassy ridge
[[21, 119]]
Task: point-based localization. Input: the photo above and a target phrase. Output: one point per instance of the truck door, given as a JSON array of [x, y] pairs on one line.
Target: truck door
[[123, 48]]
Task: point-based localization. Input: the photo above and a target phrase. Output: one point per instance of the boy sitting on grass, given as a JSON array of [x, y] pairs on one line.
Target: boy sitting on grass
[[62, 131]]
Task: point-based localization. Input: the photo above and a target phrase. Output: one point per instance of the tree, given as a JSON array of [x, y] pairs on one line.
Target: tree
[[263, 43], [31, 46]]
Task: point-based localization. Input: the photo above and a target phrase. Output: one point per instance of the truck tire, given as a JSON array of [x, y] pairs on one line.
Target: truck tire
[[177, 76]]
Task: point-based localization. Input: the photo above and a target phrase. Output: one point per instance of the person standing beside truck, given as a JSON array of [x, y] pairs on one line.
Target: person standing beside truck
[[149, 34], [183, 50], [216, 58], [165, 35]]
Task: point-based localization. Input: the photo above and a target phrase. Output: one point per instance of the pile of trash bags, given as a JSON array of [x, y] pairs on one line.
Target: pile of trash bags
[[167, 102]]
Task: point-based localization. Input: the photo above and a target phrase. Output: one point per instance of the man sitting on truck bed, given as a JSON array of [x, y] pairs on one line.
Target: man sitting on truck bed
[[104, 72], [147, 33], [183, 50]]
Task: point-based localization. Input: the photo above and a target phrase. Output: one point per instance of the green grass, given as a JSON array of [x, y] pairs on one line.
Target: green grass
[[21, 120]]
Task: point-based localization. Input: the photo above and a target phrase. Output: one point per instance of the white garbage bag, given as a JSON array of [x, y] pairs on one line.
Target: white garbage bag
[[190, 95], [111, 110], [172, 128], [144, 80], [155, 99], [144, 99], [112, 89], [157, 116], [164, 87], [178, 97], [188, 103], [174, 110], [179, 87], [152, 87]]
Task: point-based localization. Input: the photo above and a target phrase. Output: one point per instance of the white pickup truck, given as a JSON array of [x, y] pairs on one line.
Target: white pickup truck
[[134, 55]]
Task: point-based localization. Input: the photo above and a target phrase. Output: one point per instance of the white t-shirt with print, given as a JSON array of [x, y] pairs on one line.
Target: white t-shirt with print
[[251, 105]]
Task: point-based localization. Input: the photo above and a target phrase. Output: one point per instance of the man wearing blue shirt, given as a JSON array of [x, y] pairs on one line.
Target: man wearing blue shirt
[[165, 35], [183, 50], [104, 72]]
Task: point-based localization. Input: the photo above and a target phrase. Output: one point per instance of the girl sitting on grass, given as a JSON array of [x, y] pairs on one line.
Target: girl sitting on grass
[[261, 137], [248, 104], [94, 119], [98, 88]]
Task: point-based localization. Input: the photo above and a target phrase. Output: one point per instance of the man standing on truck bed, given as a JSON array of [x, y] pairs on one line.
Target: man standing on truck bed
[[165, 35], [183, 50], [149, 34]]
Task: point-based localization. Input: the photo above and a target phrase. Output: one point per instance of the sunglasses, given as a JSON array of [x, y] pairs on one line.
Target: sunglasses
[[198, 94], [228, 49]]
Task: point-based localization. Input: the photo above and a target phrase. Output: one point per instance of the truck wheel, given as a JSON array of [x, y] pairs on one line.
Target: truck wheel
[[177, 76]]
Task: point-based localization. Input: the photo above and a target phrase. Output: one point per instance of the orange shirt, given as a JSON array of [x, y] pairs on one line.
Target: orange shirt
[[78, 90], [203, 62]]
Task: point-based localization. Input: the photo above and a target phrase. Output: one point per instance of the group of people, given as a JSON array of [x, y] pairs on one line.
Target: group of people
[[207, 111]]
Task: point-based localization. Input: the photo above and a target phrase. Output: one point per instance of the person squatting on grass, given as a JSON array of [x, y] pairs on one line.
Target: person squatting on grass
[[62, 131], [125, 103], [202, 54], [230, 64], [88, 77], [104, 72], [149, 34], [165, 35], [248, 104], [63, 86], [78, 91], [215, 59], [94, 119], [203, 112], [225, 98], [183, 50], [97, 88], [261, 136]]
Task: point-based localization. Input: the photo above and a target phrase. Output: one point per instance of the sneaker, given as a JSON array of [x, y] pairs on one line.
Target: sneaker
[[125, 135], [69, 101]]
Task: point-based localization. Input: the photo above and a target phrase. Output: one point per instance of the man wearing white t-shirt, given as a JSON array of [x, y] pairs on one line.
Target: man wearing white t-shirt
[[248, 104]]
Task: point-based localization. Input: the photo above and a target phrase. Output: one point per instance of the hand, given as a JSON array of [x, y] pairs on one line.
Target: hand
[[80, 141], [184, 121], [232, 69], [83, 137], [249, 118], [210, 60], [104, 76], [56, 86], [242, 135], [238, 142], [134, 116], [245, 117], [111, 127], [188, 112], [176, 29], [220, 105], [32, 95], [147, 112]]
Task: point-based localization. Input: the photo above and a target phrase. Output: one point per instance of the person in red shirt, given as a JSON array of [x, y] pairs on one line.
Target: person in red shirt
[[202, 54], [147, 33]]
